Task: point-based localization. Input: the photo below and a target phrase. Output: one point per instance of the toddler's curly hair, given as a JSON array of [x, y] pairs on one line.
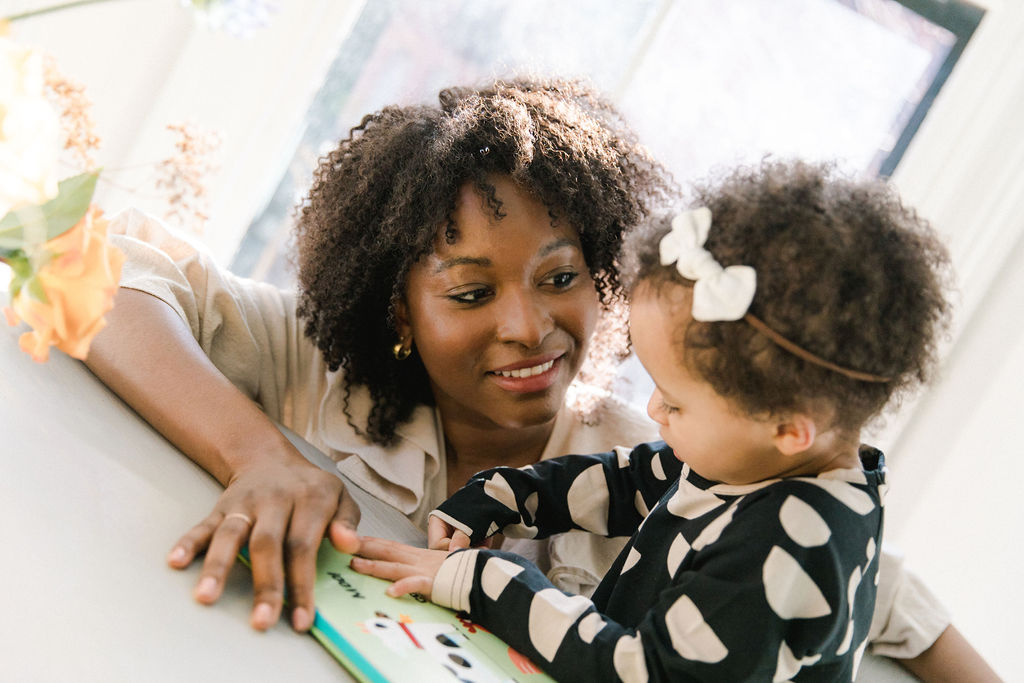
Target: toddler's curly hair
[[844, 270], [379, 200]]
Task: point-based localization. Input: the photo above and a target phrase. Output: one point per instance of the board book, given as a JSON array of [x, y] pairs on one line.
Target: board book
[[381, 639]]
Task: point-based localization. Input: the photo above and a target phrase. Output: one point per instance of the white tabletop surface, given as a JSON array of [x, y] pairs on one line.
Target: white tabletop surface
[[91, 500]]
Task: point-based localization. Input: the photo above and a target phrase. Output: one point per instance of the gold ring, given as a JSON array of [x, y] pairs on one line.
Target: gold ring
[[240, 515]]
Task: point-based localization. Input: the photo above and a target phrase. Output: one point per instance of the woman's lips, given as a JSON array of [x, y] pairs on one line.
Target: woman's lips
[[528, 379]]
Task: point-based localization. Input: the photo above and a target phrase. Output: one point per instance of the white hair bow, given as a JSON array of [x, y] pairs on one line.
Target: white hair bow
[[718, 293]]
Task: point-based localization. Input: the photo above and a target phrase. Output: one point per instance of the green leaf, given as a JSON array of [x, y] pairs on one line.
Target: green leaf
[[21, 271], [51, 219]]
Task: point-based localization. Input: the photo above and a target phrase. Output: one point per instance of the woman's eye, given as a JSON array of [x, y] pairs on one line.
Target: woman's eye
[[563, 279], [471, 296]]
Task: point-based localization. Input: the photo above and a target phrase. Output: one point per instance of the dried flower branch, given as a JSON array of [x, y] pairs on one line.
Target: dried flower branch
[[184, 174], [75, 114]]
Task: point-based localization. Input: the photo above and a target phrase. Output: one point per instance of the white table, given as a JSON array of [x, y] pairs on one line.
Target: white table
[[91, 500]]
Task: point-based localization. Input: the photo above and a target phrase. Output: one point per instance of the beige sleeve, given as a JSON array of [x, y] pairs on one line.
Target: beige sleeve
[[908, 617], [248, 329]]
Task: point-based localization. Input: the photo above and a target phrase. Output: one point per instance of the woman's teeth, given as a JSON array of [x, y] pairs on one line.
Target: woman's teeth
[[526, 372]]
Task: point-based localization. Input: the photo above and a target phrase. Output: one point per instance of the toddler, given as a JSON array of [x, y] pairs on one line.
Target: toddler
[[776, 320]]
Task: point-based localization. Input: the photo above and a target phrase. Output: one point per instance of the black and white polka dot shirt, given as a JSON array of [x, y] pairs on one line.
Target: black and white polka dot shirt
[[772, 581]]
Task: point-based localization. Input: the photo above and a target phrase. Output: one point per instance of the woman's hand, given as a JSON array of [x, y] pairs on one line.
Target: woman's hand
[[412, 569], [274, 499], [282, 510]]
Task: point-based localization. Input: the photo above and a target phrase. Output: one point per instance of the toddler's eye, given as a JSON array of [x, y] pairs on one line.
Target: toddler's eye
[[667, 408]]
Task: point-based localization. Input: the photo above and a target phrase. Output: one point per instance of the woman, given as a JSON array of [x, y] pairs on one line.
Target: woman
[[453, 262]]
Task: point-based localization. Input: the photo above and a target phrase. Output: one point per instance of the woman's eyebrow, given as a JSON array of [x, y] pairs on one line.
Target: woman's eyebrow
[[557, 244], [484, 262], [463, 261]]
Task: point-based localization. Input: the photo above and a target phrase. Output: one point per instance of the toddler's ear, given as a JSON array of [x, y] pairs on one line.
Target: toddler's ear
[[795, 434]]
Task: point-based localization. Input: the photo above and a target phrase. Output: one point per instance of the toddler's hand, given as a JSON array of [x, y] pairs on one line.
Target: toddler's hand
[[443, 536], [412, 569]]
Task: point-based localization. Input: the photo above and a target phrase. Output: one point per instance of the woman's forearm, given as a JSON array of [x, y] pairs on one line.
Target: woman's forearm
[[273, 496], [147, 355], [951, 659]]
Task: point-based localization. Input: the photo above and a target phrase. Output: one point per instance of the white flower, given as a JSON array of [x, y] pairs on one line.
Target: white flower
[[239, 18], [29, 130]]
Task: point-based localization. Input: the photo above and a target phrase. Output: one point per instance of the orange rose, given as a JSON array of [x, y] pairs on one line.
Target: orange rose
[[79, 280]]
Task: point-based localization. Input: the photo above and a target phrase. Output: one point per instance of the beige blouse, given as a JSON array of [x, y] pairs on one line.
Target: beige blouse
[[251, 332]]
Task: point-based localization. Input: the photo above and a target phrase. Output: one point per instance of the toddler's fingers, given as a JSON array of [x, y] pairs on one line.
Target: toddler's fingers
[[459, 540], [382, 569], [439, 533], [412, 584], [441, 544]]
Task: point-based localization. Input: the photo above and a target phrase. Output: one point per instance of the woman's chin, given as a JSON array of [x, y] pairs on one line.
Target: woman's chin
[[530, 410]]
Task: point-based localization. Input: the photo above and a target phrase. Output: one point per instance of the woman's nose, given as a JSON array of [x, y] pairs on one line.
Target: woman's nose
[[524, 319]]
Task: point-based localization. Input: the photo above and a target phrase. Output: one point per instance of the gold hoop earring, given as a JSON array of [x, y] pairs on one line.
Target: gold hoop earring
[[401, 351]]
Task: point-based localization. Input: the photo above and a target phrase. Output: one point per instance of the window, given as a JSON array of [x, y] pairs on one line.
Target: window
[[704, 83]]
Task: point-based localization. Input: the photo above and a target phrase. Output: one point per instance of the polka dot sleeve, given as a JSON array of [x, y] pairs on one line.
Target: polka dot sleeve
[[607, 494]]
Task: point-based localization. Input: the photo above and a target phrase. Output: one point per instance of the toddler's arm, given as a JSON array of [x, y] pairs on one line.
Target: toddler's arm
[[608, 494], [750, 604]]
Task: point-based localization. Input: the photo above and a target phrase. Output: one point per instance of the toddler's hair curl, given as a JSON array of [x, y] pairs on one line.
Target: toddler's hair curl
[[844, 270]]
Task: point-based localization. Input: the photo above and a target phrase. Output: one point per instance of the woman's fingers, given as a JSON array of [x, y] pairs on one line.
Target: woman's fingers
[[342, 529], [228, 535], [283, 513], [315, 516], [266, 557], [194, 542]]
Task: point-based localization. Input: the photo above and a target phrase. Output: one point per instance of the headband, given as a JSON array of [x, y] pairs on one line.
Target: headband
[[725, 294]]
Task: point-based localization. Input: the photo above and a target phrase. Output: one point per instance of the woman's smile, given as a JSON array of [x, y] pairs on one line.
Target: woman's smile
[[528, 376]]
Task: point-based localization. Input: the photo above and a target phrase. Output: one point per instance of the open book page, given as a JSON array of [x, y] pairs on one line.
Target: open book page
[[380, 638]]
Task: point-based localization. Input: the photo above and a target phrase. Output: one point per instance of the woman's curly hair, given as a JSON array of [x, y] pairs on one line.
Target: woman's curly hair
[[844, 270], [379, 200]]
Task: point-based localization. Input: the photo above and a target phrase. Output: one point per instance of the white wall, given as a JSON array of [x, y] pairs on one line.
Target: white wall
[[955, 455], [958, 453]]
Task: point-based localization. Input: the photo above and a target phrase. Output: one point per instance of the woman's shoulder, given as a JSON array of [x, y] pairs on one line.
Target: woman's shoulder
[[133, 226], [160, 257]]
